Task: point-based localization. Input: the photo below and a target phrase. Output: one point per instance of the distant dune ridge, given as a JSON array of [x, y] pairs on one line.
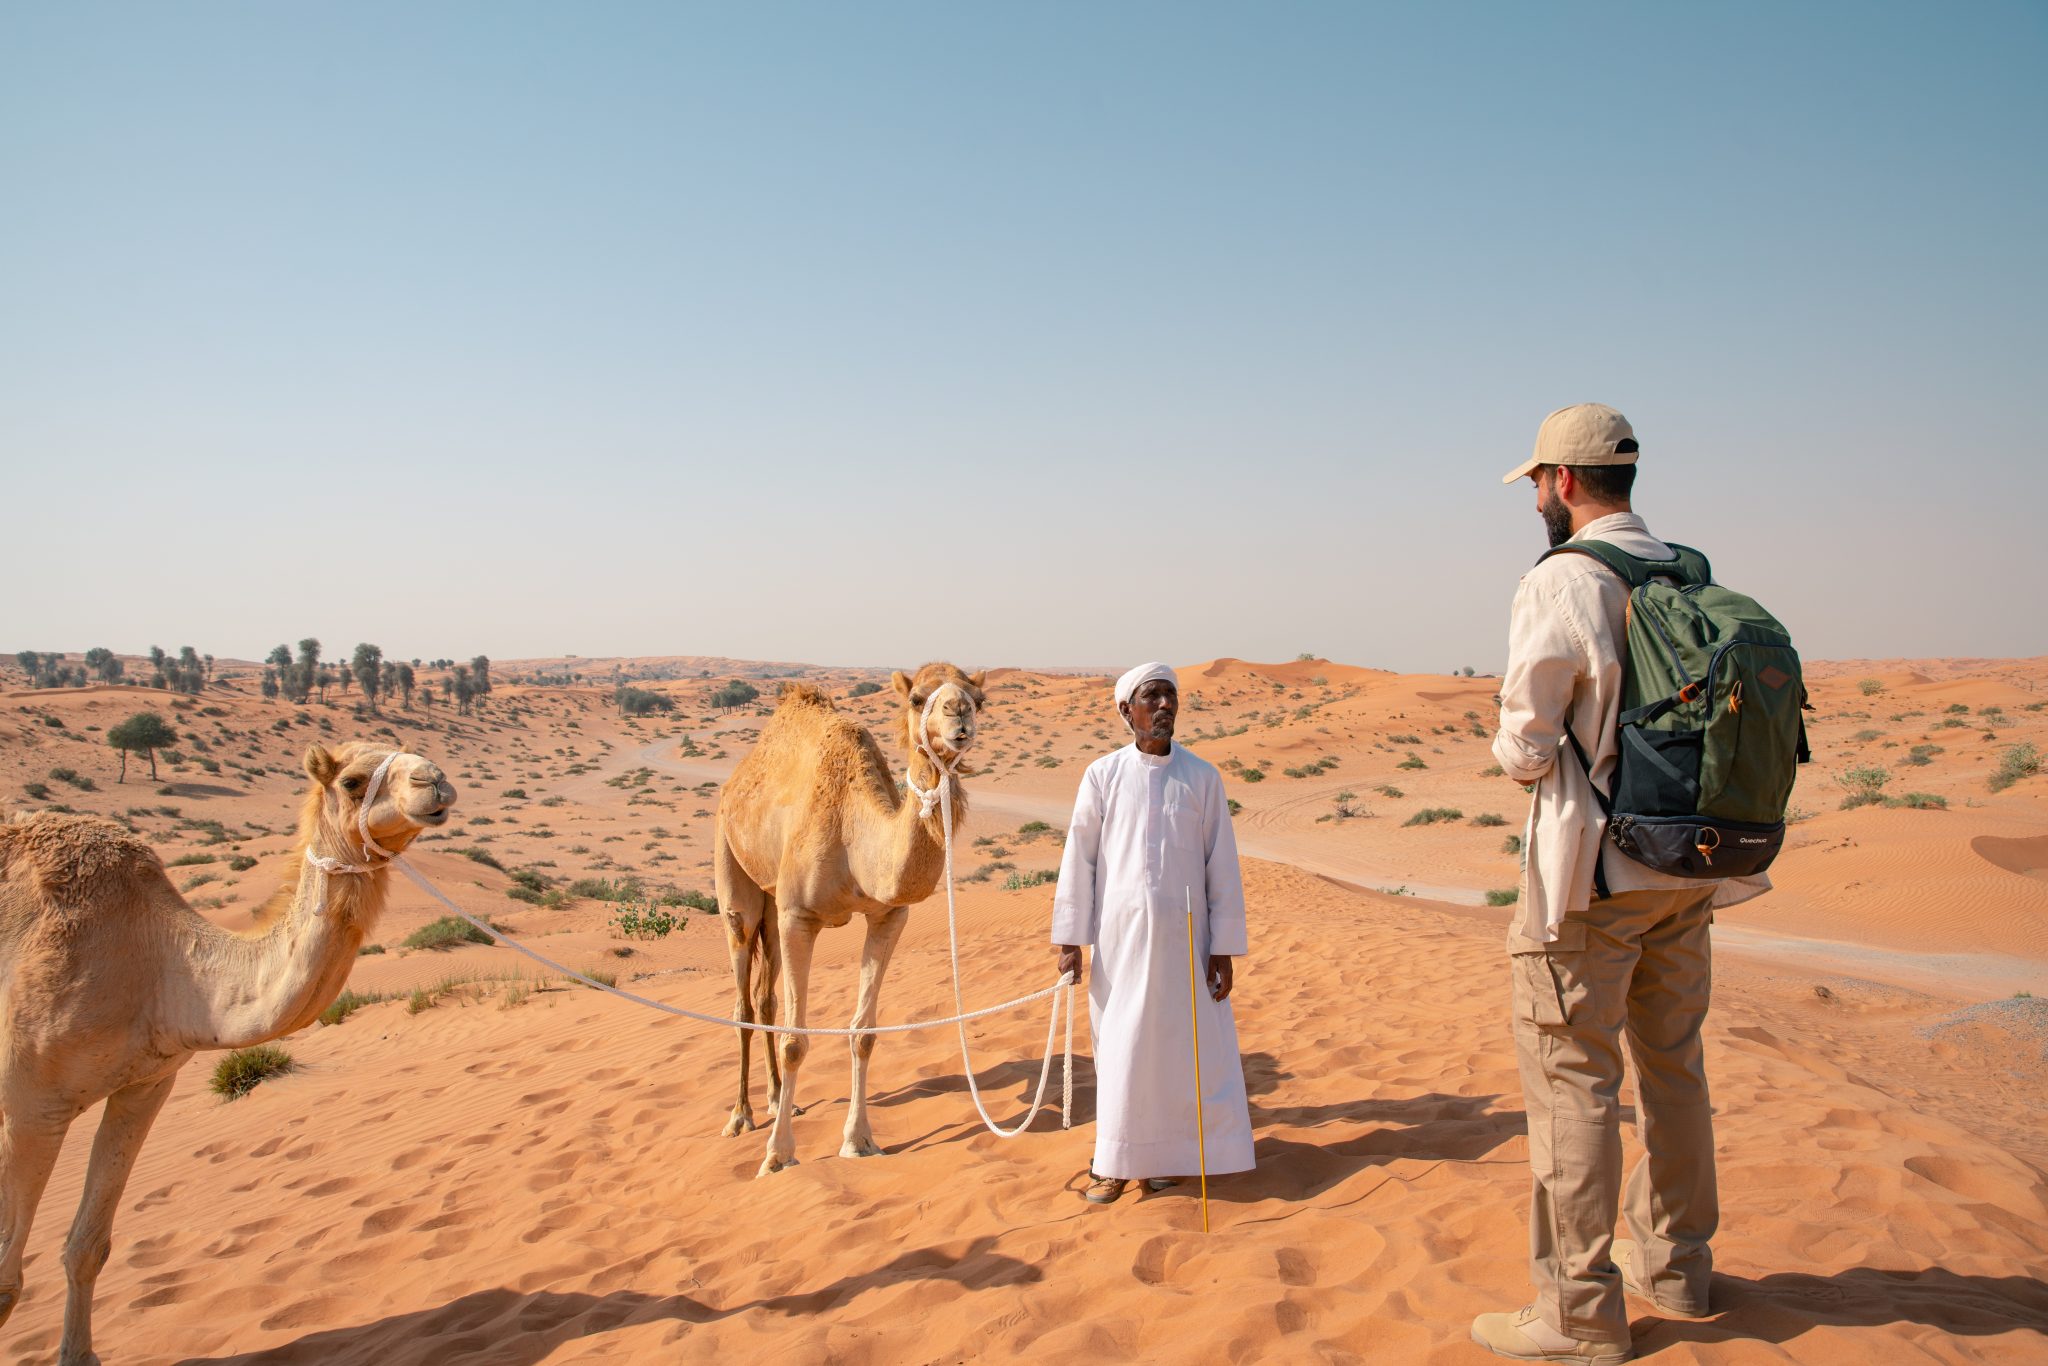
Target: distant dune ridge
[[478, 1164]]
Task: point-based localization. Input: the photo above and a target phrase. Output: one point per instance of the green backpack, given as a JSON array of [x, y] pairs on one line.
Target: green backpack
[[1711, 728]]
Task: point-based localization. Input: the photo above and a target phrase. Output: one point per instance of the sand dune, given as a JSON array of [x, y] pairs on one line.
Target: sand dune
[[517, 1171]]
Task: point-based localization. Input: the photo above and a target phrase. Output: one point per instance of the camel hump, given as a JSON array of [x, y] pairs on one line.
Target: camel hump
[[795, 695], [67, 856]]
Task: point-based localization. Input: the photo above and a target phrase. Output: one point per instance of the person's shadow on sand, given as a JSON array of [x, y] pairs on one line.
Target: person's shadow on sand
[[1784, 1305], [508, 1328]]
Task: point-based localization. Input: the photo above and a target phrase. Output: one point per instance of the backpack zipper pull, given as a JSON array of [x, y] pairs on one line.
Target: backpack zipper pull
[[1735, 698], [1699, 842]]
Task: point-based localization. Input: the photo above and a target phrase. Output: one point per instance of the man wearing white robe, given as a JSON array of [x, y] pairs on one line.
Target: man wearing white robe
[[1151, 836]]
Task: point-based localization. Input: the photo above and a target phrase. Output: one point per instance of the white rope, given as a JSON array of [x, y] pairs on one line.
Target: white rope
[[941, 793]]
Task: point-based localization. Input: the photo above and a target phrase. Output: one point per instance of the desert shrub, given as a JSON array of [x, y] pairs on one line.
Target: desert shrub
[[241, 863], [641, 702], [38, 791], [1869, 687], [605, 889], [1234, 804], [1253, 775], [1404, 739], [515, 794], [420, 1001], [2020, 761], [369, 950], [1389, 790], [1489, 819], [1921, 755], [1920, 801], [1412, 761], [1493, 771], [734, 694], [1504, 896], [1037, 877], [1865, 736], [865, 689], [1956, 709], [243, 1070], [347, 1004], [483, 856], [695, 900], [1951, 723], [445, 933], [643, 921], [188, 860], [610, 979], [1865, 787], [62, 774], [1432, 815], [1511, 845]]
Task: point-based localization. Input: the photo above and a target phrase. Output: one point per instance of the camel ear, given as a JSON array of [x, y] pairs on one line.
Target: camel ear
[[321, 766], [901, 682], [974, 684]]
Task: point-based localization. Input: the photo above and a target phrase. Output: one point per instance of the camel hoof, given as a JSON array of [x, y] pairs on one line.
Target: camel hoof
[[738, 1124], [8, 1299], [864, 1147], [772, 1164]]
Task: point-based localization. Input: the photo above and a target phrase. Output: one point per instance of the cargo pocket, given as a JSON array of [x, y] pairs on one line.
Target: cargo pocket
[[1548, 978]]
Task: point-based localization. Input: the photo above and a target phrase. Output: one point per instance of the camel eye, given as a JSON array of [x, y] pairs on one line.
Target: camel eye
[[917, 699], [353, 783]]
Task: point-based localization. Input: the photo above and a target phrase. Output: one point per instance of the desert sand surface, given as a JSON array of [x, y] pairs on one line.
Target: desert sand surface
[[483, 1163]]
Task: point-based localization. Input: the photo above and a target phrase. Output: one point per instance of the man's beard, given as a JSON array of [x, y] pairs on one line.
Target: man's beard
[[1557, 519]]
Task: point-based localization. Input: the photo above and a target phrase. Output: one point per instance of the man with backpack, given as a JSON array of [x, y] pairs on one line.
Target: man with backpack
[[1652, 715]]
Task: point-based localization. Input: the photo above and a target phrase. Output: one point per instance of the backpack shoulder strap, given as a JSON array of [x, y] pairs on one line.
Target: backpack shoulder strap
[[1687, 565]]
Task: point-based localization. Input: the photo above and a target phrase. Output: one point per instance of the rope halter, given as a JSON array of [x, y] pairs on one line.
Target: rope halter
[[928, 797], [374, 855]]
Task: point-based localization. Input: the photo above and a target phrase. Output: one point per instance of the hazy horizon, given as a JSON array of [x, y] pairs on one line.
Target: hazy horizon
[[1045, 337]]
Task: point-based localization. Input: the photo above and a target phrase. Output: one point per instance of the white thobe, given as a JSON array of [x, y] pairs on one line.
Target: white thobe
[[1150, 835]]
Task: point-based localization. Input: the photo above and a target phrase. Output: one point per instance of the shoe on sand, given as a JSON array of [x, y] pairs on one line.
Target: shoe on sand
[[1524, 1336], [1625, 1254], [1103, 1190], [1161, 1183]]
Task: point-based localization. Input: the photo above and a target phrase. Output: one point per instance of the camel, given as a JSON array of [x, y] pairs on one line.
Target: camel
[[109, 982], [811, 832]]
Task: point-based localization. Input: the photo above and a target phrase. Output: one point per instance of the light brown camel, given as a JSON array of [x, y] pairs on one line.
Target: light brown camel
[[109, 982], [812, 831]]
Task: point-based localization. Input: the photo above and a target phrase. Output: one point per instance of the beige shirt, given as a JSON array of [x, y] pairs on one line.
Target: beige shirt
[[1565, 659]]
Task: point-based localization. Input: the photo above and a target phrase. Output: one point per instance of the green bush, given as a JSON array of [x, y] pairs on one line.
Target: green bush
[[1865, 787], [2021, 761], [241, 863], [695, 900], [1869, 687], [1037, 877], [1432, 815], [604, 889], [1489, 819], [347, 1004], [1511, 845], [1389, 790], [189, 860], [1412, 761], [241, 1071], [1504, 896], [1920, 801], [1253, 775], [368, 950], [1866, 736], [1921, 755], [445, 933], [37, 791]]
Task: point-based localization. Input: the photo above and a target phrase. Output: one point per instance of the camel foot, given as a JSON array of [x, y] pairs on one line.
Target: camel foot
[[740, 1123], [78, 1358], [860, 1147], [772, 1164], [8, 1299]]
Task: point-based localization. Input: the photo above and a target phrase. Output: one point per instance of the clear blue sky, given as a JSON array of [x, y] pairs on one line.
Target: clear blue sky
[[1047, 334]]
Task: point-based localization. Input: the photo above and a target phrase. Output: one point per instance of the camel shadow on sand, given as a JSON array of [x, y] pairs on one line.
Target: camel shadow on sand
[[510, 1328]]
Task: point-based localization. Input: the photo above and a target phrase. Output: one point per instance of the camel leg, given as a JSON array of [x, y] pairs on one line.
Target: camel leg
[[130, 1112], [739, 902], [799, 937], [27, 1152], [764, 1008], [883, 932]]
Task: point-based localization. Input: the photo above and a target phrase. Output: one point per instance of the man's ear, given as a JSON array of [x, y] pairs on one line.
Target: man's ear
[[901, 682], [1566, 483], [321, 766]]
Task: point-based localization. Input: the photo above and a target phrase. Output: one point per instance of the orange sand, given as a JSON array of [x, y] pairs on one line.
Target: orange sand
[[522, 1174]]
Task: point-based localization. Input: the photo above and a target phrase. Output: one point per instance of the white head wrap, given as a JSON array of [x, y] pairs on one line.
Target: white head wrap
[[1127, 686]]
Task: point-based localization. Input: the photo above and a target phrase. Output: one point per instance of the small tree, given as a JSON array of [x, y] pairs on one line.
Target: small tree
[[368, 667], [405, 683], [143, 733], [480, 673]]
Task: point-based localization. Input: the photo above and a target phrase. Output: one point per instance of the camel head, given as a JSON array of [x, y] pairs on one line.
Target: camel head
[[955, 700], [415, 793]]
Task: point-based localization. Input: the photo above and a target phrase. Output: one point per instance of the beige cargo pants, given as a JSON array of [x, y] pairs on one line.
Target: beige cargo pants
[[1637, 963]]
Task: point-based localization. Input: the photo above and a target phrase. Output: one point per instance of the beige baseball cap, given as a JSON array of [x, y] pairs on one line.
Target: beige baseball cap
[[1583, 434]]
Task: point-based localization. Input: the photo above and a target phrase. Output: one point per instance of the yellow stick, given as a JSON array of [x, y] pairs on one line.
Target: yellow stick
[[1194, 1019]]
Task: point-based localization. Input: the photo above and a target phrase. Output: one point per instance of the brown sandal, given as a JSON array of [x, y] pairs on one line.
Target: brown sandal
[[1103, 1190]]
